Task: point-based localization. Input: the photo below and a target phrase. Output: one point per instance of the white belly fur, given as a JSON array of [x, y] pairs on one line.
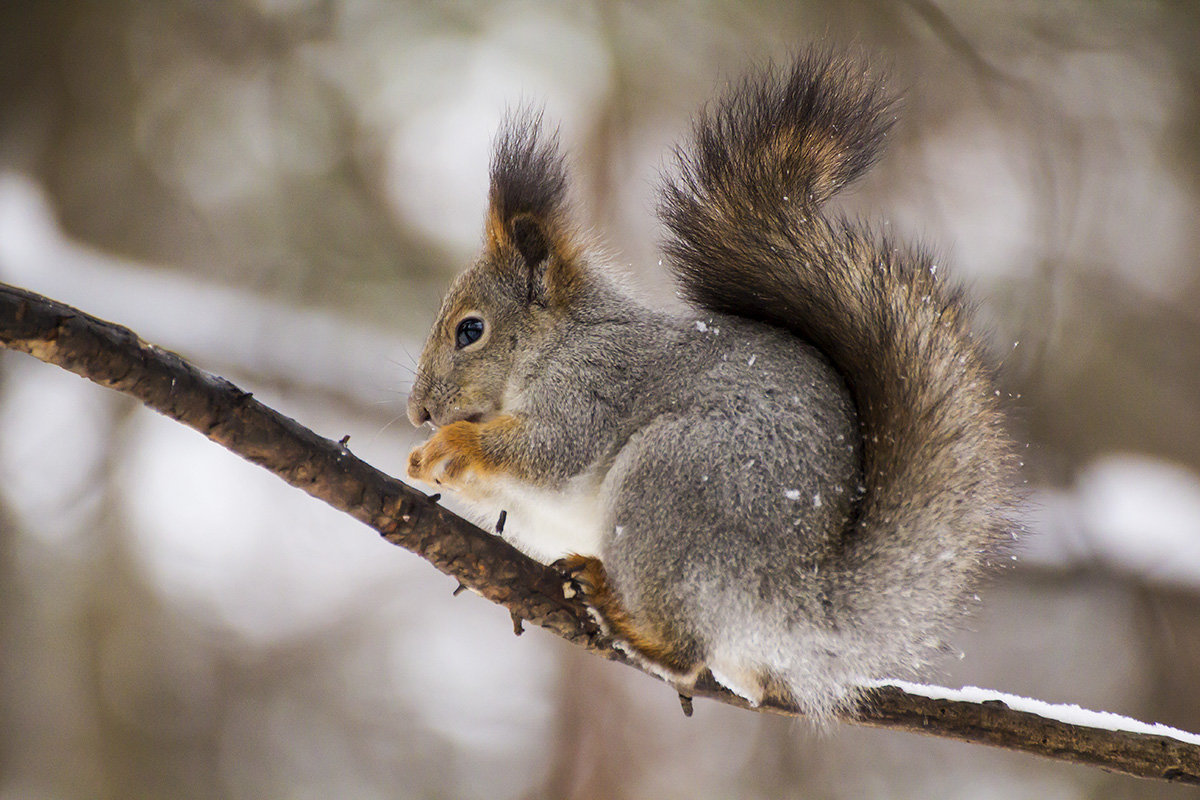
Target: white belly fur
[[548, 525]]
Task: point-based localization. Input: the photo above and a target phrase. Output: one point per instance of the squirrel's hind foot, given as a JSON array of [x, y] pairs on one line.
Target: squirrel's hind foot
[[583, 577], [673, 658]]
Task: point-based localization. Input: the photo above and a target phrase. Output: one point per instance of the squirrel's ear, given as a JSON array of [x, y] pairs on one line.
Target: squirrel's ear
[[533, 243], [530, 239], [527, 203]]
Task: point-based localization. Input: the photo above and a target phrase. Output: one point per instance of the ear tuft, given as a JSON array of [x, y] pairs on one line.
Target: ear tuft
[[528, 213], [528, 176]]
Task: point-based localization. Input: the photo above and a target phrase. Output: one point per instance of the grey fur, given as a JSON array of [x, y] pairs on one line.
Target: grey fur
[[795, 485]]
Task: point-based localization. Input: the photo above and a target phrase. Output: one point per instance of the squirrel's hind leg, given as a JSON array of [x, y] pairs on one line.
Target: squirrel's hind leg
[[671, 657], [680, 666]]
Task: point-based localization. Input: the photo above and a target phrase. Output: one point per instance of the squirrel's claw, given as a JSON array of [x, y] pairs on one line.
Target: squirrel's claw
[[582, 575]]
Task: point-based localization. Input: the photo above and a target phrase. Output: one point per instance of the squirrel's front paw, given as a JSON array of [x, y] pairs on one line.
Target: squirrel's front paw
[[448, 457]]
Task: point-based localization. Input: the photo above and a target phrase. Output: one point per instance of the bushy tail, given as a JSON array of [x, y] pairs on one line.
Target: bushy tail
[[748, 237]]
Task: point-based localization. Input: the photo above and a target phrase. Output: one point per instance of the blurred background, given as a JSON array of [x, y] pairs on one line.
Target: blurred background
[[279, 190]]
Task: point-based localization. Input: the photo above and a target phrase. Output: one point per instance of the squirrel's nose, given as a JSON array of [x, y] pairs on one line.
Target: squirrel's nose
[[418, 414]]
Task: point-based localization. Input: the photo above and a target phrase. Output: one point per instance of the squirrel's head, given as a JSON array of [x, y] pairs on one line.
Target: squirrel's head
[[528, 276]]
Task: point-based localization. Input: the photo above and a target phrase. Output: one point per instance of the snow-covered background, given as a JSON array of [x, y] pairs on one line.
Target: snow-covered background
[[280, 189]]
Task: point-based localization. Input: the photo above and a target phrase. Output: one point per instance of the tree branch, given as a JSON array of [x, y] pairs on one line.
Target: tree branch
[[115, 357]]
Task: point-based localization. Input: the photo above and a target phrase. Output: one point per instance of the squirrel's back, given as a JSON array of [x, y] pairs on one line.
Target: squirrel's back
[[749, 237]]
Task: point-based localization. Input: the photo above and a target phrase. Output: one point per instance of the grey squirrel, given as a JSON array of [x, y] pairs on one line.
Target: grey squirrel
[[794, 485]]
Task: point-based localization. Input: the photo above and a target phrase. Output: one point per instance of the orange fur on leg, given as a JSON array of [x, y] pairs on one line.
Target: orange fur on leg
[[673, 653]]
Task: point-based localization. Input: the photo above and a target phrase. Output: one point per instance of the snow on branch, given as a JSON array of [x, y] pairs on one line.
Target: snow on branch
[[115, 357]]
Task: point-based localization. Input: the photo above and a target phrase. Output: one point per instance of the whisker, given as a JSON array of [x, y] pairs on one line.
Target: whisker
[[383, 428], [404, 347], [405, 367]]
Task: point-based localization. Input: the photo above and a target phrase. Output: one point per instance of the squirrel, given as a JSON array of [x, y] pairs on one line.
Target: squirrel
[[796, 483]]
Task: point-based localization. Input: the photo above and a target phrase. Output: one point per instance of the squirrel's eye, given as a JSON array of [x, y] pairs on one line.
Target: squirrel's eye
[[468, 332]]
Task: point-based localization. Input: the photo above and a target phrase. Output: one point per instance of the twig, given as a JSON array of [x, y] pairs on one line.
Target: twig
[[115, 357]]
